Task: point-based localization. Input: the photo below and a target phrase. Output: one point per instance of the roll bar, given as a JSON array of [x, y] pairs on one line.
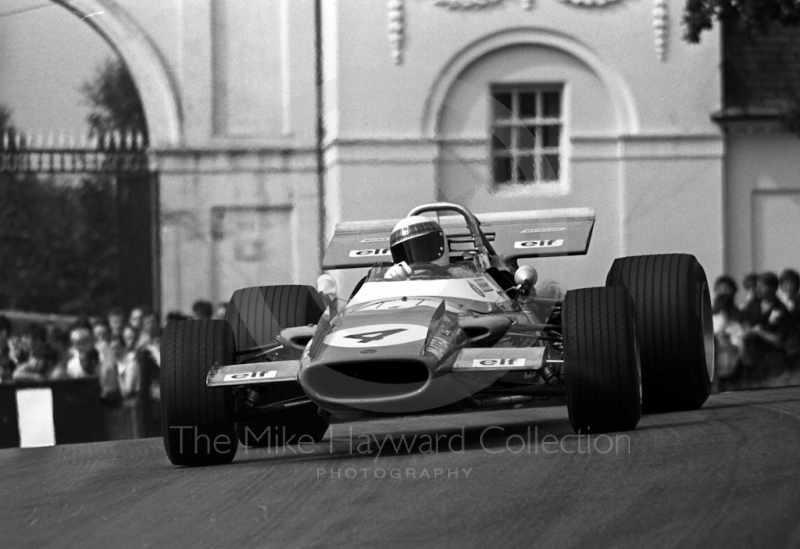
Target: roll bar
[[485, 250]]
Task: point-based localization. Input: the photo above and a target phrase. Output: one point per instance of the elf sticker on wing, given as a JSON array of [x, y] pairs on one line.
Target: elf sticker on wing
[[526, 244]]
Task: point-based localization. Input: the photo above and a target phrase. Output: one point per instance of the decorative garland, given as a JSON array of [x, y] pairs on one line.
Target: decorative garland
[[660, 25], [467, 4], [397, 30], [590, 2], [397, 19]]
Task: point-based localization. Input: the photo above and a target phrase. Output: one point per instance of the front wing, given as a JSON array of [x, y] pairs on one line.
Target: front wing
[[481, 359]]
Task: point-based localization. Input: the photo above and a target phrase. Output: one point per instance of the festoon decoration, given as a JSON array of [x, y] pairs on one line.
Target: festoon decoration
[[660, 27], [466, 4], [397, 19], [397, 29]]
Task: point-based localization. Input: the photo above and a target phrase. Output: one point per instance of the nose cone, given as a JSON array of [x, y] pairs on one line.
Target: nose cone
[[378, 359]]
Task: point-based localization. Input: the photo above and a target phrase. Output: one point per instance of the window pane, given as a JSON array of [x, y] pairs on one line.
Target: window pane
[[551, 104], [501, 168], [550, 135], [501, 105], [527, 105], [551, 167], [501, 138], [526, 137], [525, 171]]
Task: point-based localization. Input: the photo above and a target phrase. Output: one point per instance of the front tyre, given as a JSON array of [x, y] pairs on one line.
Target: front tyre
[[257, 315], [601, 360], [676, 334], [197, 421]]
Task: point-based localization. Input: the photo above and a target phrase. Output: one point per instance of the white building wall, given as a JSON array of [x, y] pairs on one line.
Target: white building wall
[[640, 146], [229, 90], [243, 77], [762, 201]]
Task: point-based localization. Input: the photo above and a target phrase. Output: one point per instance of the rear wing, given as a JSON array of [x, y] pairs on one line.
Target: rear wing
[[513, 235]]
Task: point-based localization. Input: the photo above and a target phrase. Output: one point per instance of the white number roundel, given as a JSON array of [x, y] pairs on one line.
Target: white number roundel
[[378, 335]]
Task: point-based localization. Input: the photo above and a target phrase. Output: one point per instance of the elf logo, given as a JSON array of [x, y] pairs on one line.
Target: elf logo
[[370, 253], [490, 362], [526, 244], [547, 230], [250, 375]]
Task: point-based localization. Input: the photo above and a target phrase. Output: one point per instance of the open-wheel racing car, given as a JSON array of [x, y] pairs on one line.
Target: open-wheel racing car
[[460, 328]]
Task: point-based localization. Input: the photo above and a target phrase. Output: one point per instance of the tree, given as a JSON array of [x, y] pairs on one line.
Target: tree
[[116, 107], [114, 100], [60, 236], [751, 15], [57, 241]]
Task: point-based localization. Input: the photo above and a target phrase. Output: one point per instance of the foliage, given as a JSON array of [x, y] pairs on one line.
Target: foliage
[[58, 241], [114, 100], [752, 15], [59, 236]]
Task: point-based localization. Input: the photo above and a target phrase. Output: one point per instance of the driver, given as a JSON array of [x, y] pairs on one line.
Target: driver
[[416, 240]]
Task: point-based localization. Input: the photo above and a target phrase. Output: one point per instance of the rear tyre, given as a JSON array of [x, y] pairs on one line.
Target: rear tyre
[[601, 362], [257, 315], [676, 335], [197, 422]]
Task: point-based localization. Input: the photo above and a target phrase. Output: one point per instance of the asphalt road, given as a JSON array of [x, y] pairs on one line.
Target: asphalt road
[[725, 476]]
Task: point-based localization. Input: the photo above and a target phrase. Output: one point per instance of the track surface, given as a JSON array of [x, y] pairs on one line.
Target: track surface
[[725, 476]]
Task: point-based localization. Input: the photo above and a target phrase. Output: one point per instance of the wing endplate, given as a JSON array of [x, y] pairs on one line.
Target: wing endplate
[[257, 372], [494, 359]]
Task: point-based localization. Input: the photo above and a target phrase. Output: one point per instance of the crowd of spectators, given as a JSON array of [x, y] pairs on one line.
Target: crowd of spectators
[[122, 351], [757, 338]]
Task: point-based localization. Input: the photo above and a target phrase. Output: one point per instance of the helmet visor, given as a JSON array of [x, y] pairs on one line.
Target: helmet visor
[[423, 248]]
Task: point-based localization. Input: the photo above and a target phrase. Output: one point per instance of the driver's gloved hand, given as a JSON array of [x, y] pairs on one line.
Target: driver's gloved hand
[[401, 271]]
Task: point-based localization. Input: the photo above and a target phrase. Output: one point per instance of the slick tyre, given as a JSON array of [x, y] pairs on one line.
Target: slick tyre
[[676, 334], [197, 422], [601, 362], [257, 315]]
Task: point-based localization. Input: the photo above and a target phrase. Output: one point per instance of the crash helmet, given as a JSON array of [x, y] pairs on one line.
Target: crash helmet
[[418, 239]]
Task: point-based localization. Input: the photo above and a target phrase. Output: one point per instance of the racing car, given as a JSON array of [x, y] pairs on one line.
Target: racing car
[[444, 319]]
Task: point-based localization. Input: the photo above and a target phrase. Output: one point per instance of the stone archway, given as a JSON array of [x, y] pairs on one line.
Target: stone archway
[[150, 75]]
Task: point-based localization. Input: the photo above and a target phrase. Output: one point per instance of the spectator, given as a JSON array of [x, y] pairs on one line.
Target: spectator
[[130, 385], [102, 334], [725, 285], [116, 322], [729, 334], [109, 376], [83, 360], [749, 286], [58, 340], [202, 309], [35, 359], [6, 364], [148, 356], [137, 316], [766, 326], [725, 290], [790, 286], [149, 332]]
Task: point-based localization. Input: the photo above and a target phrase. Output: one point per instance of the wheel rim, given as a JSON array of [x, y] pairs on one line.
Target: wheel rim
[[708, 331]]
